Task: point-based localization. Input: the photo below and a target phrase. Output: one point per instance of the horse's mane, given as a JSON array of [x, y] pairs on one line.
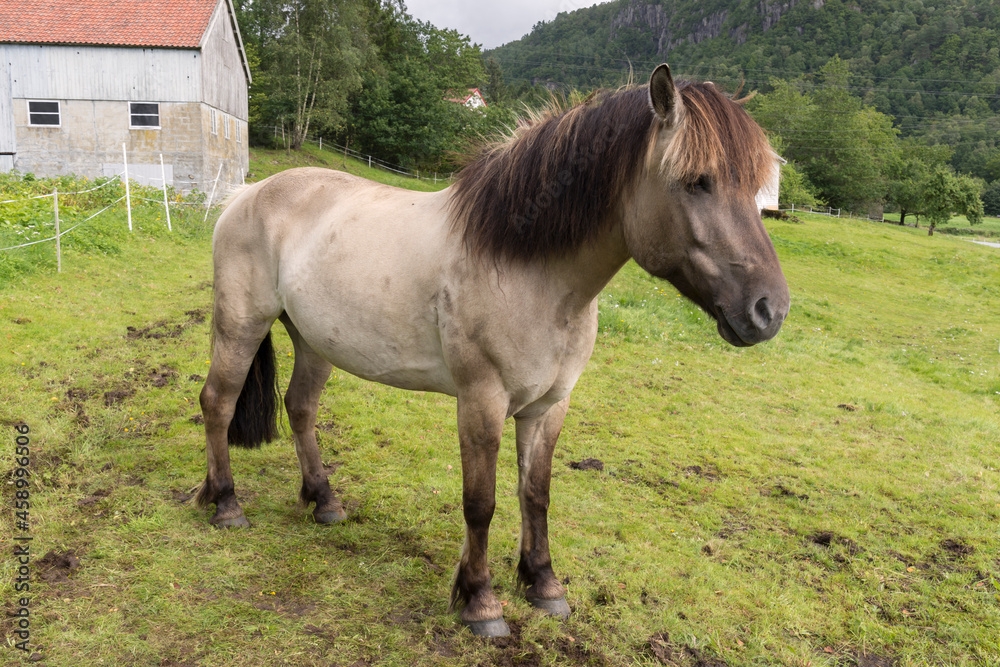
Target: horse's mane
[[550, 185]]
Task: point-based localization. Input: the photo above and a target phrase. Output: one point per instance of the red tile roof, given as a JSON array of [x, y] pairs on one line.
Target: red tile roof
[[163, 23]]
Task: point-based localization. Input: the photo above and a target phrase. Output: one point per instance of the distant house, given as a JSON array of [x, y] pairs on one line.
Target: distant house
[[767, 198], [472, 98], [79, 78]]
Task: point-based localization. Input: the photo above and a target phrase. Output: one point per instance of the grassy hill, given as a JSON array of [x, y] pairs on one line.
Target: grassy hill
[[828, 498]]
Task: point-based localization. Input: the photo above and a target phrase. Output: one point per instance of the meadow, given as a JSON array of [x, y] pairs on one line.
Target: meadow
[[829, 498]]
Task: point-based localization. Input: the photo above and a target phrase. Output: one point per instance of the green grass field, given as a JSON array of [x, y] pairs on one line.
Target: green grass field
[[830, 498]]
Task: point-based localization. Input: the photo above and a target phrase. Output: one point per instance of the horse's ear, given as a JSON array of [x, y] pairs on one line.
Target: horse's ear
[[663, 95]]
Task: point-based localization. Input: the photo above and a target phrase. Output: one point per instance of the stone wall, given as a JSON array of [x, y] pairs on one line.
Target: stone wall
[[89, 143]]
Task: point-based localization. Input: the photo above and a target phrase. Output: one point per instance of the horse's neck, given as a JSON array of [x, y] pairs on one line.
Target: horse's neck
[[588, 269]]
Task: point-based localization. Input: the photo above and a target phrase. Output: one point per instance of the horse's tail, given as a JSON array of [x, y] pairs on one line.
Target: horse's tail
[[256, 418]]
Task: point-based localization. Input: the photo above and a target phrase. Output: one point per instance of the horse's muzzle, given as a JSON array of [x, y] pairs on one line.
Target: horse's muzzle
[[760, 321]]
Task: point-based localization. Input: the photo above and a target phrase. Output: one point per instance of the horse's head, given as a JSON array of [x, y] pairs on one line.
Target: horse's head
[[693, 219]]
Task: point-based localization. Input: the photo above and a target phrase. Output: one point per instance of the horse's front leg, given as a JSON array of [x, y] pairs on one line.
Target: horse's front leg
[[536, 440], [480, 424]]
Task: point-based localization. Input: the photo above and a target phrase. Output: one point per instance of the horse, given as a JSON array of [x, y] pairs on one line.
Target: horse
[[486, 291]]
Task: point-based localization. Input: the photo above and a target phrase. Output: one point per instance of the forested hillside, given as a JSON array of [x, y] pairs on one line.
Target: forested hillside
[[933, 65]]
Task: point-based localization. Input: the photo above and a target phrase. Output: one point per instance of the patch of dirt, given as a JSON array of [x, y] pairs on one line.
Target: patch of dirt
[[77, 394], [587, 464], [164, 329], [197, 419], [278, 605], [957, 549], [709, 471], [117, 396], [514, 651], [161, 377], [831, 540], [95, 497], [863, 659], [196, 378], [56, 567], [782, 491], [196, 316], [850, 407], [155, 331], [668, 653]]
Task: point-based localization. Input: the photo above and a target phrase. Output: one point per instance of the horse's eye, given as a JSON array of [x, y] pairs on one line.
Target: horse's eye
[[703, 184]]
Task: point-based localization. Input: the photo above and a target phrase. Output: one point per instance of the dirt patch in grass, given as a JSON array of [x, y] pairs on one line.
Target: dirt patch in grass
[[587, 464], [161, 377], [117, 396], [668, 653], [57, 566], [708, 471], [95, 497], [781, 491], [165, 329], [957, 549], [863, 659], [515, 651]]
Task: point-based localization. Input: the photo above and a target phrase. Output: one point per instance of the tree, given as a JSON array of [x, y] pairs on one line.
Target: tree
[[946, 193], [795, 188], [909, 173], [495, 87], [991, 199], [401, 112], [309, 55], [843, 147]]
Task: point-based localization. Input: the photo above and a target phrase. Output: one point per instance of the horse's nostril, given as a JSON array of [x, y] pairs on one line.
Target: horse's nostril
[[761, 314]]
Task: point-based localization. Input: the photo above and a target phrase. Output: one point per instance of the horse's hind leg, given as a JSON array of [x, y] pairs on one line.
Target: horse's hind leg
[[309, 376], [536, 440], [232, 358]]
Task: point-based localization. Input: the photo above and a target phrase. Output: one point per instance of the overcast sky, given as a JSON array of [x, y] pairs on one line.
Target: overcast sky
[[491, 22]]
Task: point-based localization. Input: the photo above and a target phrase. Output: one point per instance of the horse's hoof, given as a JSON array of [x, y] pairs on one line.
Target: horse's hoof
[[330, 516], [496, 627], [232, 522], [557, 607]]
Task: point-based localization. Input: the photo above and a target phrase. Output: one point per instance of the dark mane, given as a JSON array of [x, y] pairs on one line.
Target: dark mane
[[551, 186]]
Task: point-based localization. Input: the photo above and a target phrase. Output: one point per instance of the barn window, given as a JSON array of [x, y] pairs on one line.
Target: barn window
[[144, 115], [214, 117], [43, 113], [225, 122]]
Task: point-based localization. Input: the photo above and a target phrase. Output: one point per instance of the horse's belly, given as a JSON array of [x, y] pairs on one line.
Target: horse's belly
[[398, 349], [418, 372]]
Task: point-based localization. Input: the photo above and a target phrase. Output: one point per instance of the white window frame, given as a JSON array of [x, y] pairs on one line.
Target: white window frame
[[58, 113], [239, 131], [132, 113], [225, 123], [214, 117]]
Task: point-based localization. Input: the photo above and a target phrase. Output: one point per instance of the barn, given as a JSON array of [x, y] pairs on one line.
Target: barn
[[81, 78]]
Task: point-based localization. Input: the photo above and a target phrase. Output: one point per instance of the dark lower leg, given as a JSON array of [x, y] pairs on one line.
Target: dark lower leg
[[479, 426], [219, 488], [536, 439], [309, 376]]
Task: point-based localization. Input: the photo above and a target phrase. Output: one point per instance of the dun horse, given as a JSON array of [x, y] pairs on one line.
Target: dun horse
[[486, 291]]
